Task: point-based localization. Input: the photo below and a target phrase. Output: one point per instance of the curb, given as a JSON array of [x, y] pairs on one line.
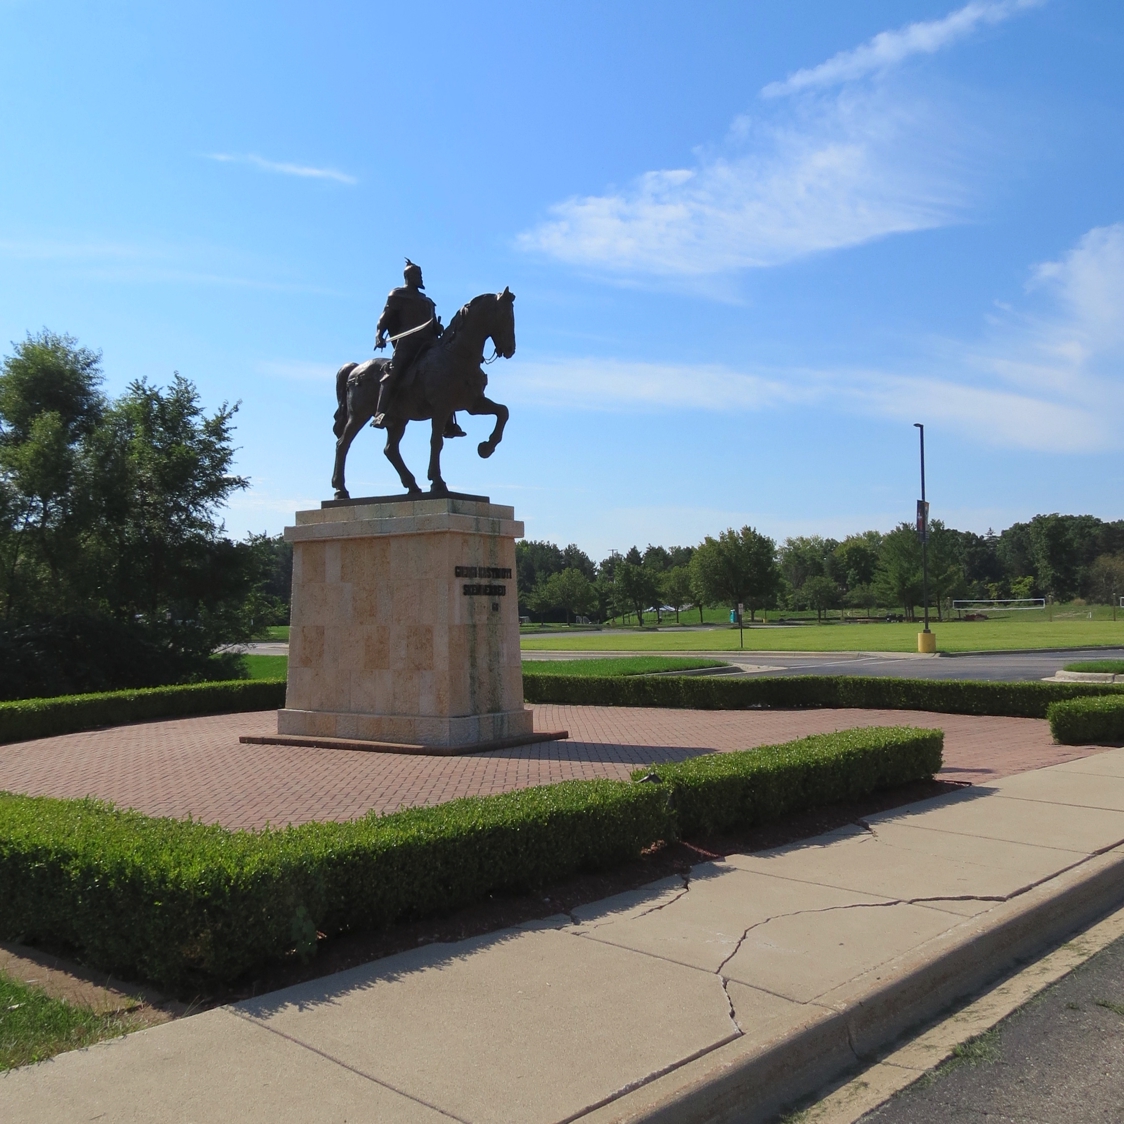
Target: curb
[[749, 1083], [896, 1071]]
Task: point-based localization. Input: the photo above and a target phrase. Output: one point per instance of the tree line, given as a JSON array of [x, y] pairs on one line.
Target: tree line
[[1056, 557], [114, 567]]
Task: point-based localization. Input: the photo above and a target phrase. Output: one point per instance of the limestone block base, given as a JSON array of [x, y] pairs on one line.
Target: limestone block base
[[422, 729], [405, 623]]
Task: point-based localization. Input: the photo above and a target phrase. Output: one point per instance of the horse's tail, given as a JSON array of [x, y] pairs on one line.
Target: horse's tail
[[341, 398]]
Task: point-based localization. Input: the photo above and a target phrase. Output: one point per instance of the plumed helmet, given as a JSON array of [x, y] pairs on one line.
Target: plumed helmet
[[413, 274]]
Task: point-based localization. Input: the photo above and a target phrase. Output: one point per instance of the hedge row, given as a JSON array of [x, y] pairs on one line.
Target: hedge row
[[1090, 721], [730, 791], [947, 696], [191, 906], [23, 719]]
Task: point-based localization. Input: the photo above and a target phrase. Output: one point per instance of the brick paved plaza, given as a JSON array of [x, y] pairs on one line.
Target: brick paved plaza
[[196, 766]]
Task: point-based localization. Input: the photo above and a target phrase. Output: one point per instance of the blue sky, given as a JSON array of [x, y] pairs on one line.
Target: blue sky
[[751, 243]]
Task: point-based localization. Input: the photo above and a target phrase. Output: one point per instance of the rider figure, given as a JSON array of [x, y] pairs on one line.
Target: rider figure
[[410, 320]]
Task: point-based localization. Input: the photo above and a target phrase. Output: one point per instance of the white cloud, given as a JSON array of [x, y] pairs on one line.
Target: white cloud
[[1050, 381], [611, 384], [818, 173], [840, 175], [281, 168], [888, 48]]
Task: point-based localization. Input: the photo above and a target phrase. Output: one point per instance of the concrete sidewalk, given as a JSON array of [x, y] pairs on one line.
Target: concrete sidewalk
[[721, 997]]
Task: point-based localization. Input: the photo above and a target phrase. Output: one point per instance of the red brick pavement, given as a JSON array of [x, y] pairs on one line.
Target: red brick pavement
[[197, 767]]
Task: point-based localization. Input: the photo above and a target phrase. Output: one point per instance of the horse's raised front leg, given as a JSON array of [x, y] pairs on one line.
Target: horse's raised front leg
[[438, 487], [353, 425], [394, 430], [484, 405]]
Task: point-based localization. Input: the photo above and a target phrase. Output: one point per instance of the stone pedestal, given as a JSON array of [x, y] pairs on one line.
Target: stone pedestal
[[405, 624]]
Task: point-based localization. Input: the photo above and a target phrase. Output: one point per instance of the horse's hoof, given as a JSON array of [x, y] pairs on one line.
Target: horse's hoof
[[485, 450], [414, 490], [342, 494], [439, 488]]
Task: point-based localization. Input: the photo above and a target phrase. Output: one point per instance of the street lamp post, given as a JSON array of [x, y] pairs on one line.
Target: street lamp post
[[924, 641]]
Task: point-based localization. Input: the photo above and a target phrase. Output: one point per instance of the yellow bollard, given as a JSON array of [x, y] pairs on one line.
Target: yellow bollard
[[927, 642]]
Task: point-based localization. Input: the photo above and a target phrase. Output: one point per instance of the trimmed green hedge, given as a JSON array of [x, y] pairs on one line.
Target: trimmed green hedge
[[735, 791], [24, 719], [947, 696], [1090, 721], [189, 906]]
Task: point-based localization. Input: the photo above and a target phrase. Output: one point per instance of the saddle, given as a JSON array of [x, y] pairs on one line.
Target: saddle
[[368, 369]]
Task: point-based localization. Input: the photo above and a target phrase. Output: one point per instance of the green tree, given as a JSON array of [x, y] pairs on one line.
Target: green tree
[[898, 578], [636, 588], [803, 557], [676, 588], [1106, 580], [738, 566], [50, 403], [572, 592], [861, 597], [535, 561], [113, 567], [856, 558], [821, 593], [946, 566]]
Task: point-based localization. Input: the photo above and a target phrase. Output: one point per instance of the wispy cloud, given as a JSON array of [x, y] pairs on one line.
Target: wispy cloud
[[836, 178], [282, 168], [889, 48], [138, 263], [1050, 380], [611, 384], [831, 169]]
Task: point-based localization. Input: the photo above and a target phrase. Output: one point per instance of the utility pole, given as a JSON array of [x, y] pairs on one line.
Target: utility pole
[[925, 644]]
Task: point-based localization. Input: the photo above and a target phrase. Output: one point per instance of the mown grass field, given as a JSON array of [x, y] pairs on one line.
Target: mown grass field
[[1110, 667], [34, 1027], [267, 667], [952, 636]]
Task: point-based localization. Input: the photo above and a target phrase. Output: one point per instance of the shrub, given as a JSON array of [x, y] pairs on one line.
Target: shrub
[[735, 791], [42, 718], [1088, 721], [949, 696], [190, 906]]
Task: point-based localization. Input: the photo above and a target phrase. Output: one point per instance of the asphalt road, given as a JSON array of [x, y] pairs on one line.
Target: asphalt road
[[1006, 666], [1059, 1059]]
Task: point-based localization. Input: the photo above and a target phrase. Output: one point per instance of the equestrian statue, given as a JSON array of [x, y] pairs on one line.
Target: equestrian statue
[[432, 373]]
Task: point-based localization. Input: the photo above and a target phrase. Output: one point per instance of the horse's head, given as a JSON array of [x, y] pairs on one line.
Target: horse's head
[[503, 328], [488, 316]]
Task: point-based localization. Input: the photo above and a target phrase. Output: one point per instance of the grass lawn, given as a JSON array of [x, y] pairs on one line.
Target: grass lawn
[[635, 665], [34, 1026], [952, 636], [1111, 667], [266, 667], [276, 633]]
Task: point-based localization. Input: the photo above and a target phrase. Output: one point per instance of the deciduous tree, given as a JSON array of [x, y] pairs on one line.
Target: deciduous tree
[[738, 566]]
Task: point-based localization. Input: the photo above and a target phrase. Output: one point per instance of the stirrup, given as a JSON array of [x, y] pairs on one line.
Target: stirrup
[[453, 430], [378, 421]]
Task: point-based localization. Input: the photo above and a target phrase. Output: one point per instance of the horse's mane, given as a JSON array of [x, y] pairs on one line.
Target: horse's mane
[[462, 314]]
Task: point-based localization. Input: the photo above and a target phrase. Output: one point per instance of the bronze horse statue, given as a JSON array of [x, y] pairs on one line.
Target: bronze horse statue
[[448, 376]]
